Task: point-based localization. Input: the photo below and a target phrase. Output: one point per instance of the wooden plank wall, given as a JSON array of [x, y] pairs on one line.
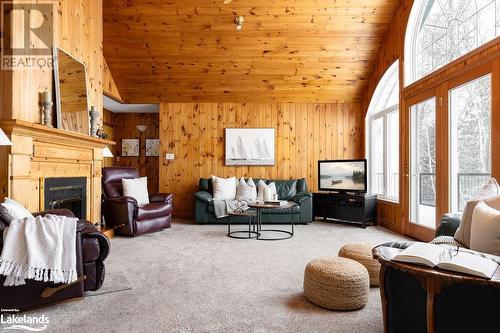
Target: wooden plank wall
[[108, 86], [109, 128], [78, 31], [125, 128], [305, 133], [389, 214]]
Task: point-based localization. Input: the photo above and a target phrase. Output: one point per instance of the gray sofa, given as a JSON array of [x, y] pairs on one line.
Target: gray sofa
[[292, 190]]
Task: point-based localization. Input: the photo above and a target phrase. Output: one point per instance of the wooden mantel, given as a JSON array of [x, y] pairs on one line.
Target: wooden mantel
[[49, 134], [40, 152]]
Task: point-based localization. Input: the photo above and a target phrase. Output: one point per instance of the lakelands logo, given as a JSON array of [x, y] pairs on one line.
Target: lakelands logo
[[24, 322], [27, 35]]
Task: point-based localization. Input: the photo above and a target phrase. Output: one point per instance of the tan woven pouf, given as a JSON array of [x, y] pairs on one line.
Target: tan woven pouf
[[362, 253], [336, 283]]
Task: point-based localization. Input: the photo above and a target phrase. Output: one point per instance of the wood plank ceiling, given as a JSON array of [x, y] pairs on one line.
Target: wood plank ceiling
[[287, 51]]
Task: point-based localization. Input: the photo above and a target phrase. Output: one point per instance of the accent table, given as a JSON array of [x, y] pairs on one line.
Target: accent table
[[437, 300], [252, 233], [258, 208]]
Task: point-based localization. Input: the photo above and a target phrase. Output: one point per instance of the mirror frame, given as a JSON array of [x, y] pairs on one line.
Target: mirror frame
[[57, 86]]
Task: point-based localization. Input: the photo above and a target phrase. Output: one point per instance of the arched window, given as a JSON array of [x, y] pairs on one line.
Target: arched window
[[440, 31], [382, 141]]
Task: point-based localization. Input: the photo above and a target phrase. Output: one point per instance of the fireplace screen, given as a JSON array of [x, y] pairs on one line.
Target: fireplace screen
[[67, 192]]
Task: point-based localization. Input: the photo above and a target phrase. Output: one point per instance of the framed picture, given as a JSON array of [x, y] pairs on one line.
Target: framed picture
[[152, 147], [250, 146], [130, 147]]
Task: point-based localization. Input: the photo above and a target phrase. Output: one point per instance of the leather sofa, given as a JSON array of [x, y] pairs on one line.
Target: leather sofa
[[459, 307], [92, 248], [124, 214], [293, 190]]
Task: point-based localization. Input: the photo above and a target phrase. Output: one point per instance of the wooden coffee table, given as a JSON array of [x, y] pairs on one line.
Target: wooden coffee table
[[258, 207], [434, 281]]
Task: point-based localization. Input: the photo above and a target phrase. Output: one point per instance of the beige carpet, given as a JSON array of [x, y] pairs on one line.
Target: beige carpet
[[193, 278]]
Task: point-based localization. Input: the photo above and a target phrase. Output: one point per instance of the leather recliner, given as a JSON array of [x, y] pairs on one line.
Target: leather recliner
[[124, 214], [92, 248]]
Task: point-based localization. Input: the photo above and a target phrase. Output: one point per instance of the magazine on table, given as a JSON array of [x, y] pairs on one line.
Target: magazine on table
[[275, 202], [431, 255]]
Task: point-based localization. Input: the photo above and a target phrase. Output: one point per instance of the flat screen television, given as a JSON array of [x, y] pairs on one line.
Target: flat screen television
[[342, 175]]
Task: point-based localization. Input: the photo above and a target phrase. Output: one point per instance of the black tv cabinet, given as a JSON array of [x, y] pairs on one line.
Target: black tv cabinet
[[346, 207]]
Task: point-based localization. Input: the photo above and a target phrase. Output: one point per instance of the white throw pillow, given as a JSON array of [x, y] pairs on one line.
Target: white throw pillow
[[490, 189], [485, 229], [136, 188], [12, 210], [224, 188], [265, 192], [246, 191]]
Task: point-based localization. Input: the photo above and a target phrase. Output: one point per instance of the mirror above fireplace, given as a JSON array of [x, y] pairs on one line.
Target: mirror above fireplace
[[71, 93]]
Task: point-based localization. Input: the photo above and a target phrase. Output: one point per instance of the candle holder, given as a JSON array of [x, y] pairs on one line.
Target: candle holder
[[47, 108], [94, 115]]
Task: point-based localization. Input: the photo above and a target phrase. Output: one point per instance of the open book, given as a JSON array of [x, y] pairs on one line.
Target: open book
[[437, 256]]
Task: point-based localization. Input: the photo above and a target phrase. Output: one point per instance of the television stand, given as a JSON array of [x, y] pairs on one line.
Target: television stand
[[356, 208]]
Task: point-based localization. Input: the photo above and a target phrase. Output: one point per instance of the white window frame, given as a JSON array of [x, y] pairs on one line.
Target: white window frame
[[382, 114], [374, 114]]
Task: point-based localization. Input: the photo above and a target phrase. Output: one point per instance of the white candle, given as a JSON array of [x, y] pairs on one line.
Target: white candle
[[46, 96]]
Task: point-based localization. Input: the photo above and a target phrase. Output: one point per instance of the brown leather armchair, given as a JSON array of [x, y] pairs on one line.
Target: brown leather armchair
[[124, 214], [92, 248]]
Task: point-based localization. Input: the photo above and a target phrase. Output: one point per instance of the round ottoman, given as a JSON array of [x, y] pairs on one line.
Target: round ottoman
[[336, 283], [362, 253]]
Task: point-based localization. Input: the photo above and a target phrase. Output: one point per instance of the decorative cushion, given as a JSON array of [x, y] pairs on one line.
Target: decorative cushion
[[485, 229], [490, 189], [268, 190], [336, 283], [136, 188], [362, 253], [224, 188], [246, 190], [463, 233], [12, 210]]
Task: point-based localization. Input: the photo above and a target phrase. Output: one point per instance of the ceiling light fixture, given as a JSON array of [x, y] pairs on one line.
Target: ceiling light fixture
[[239, 22]]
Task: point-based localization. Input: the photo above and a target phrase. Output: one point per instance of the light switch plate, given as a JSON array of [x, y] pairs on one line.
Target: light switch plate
[[169, 156]]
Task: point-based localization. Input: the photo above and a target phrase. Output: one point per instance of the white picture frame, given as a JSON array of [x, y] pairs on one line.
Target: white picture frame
[[250, 146], [130, 147], [152, 147]]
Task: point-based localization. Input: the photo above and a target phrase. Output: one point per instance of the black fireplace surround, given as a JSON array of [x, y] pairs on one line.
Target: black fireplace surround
[[67, 192]]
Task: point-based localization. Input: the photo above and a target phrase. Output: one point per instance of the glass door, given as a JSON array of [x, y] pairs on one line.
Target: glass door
[[470, 139], [422, 167]]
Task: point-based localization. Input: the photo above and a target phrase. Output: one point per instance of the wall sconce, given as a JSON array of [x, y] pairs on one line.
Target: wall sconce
[[106, 152], [142, 128], [239, 22], [4, 140]]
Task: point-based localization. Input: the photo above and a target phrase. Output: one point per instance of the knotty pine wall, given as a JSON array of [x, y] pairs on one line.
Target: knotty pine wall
[[389, 214], [125, 127], [78, 31], [305, 133]]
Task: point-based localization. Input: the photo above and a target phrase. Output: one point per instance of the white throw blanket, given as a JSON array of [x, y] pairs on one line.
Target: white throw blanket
[[41, 249]]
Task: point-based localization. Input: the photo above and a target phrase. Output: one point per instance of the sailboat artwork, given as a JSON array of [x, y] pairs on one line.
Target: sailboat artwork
[[249, 146]]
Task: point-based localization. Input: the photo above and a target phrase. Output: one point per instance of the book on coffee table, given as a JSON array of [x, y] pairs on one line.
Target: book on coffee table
[[431, 255], [276, 202]]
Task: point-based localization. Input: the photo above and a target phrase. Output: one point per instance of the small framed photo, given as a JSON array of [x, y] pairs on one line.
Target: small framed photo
[[130, 147], [152, 147]]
